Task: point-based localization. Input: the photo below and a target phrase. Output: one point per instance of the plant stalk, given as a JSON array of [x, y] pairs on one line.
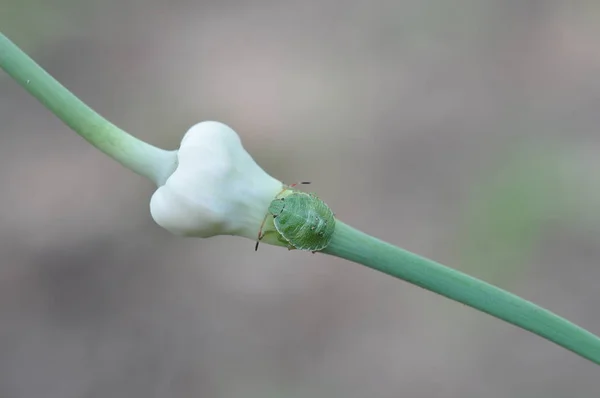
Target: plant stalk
[[138, 156], [350, 244]]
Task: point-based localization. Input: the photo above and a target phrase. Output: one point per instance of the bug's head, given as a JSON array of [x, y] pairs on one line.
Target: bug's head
[[277, 206]]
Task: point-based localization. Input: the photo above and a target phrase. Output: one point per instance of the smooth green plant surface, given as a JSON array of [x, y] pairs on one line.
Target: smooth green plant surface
[[347, 242], [359, 247], [138, 156]]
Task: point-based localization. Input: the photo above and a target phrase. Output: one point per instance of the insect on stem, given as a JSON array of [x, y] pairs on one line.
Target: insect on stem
[[285, 187], [301, 219]]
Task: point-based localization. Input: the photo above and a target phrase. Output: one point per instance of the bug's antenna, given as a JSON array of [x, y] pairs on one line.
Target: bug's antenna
[[300, 183]]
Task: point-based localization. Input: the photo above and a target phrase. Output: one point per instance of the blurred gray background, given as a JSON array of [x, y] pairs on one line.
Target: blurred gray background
[[465, 131]]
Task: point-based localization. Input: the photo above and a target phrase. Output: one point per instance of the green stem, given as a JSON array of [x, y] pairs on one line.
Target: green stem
[[348, 243], [142, 158], [353, 245]]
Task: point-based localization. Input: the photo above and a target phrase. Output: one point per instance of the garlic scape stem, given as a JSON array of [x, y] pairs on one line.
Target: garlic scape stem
[[212, 186], [351, 244], [136, 155]]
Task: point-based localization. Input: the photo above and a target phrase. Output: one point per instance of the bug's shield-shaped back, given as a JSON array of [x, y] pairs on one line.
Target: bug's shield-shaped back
[[301, 219]]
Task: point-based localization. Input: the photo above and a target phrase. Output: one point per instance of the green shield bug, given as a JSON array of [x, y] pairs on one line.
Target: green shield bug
[[303, 220]]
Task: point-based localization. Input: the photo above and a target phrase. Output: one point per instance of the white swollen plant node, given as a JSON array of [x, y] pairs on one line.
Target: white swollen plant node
[[216, 189]]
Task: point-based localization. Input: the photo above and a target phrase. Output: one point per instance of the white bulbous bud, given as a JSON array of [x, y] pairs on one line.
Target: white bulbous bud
[[217, 188]]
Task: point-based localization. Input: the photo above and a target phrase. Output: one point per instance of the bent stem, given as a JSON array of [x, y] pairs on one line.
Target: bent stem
[[347, 242], [356, 246], [138, 156]]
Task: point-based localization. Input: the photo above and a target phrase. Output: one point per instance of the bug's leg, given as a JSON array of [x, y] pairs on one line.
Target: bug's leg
[[260, 233]]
